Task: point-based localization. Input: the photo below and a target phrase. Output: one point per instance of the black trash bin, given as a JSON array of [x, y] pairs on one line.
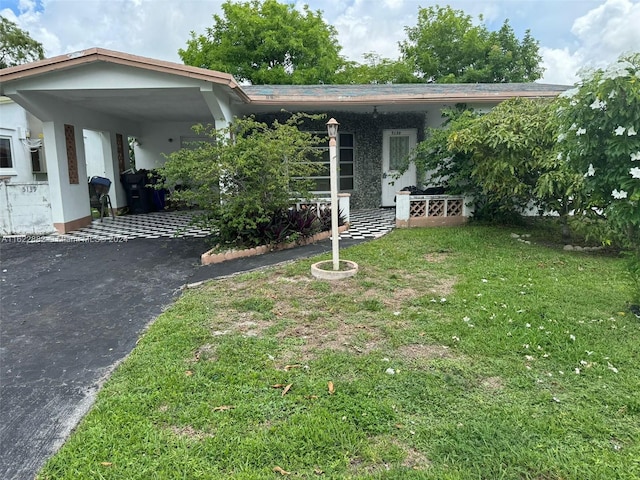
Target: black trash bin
[[139, 195]]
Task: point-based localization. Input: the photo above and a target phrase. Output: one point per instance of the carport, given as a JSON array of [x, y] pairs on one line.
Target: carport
[[113, 97]]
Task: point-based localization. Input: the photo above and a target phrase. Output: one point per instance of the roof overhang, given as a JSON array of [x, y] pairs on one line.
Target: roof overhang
[[122, 85]]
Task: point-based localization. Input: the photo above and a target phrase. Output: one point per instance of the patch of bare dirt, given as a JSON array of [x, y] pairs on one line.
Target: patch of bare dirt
[[492, 383], [436, 257], [415, 460], [424, 352], [332, 336]]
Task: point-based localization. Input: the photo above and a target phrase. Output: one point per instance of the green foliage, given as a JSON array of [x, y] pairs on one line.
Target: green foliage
[[444, 165], [599, 125], [504, 159], [16, 46], [246, 175], [267, 42], [511, 148], [446, 47], [600, 122], [378, 70]]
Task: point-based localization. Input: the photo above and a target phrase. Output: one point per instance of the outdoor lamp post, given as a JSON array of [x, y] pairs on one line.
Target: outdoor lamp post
[[332, 129], [349, 268]]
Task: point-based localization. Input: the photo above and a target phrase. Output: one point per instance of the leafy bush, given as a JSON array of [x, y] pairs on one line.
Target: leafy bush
[[600, 126], [244, 176]]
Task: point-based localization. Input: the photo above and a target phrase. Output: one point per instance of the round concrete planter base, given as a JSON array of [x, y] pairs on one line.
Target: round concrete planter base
[[324, 270]]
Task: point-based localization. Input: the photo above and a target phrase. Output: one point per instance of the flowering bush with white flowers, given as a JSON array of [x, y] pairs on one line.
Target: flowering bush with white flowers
[[600, 121]]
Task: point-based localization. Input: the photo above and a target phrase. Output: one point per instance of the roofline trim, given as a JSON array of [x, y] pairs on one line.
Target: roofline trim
[[396, 99], [93, 55]]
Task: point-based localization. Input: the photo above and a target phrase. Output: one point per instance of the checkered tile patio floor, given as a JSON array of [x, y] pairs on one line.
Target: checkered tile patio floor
[[364, 224]]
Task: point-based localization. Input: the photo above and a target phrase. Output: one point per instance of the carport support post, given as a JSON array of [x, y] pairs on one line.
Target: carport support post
[[332, 129]]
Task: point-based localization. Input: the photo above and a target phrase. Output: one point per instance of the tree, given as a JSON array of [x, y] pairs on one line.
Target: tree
[[267, 42], [600, 138], [16, 46], [512, 148], [443, 165], [377, 70], [245, 175], [446, 47]]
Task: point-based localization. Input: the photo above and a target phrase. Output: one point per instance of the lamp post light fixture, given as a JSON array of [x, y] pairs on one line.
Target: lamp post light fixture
[[332, 130], [349, 268]]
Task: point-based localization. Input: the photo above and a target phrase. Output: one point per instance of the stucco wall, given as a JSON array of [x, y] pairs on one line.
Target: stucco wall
[[15, 122], [157, 140], [25, 208]]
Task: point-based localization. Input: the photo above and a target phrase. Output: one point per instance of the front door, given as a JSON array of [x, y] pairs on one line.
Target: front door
[[397, 145]]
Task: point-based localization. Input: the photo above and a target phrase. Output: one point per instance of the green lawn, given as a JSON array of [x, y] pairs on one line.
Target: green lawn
[[454, 353]]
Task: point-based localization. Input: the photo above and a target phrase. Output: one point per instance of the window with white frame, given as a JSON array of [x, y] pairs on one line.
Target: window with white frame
[[322, 179], [6, 154]]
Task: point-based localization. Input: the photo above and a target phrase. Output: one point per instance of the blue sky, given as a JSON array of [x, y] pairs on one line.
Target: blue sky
[[572, 33]]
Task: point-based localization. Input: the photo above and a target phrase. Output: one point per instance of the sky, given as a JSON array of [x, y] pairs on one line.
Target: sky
[[573, 34]]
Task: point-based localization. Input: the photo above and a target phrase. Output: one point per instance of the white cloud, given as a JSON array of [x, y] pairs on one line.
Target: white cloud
[[602, 34], [571, 35]]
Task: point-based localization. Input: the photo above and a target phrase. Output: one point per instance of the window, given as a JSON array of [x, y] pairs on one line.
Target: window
[[6, 156], [345, 146], [398, 151]]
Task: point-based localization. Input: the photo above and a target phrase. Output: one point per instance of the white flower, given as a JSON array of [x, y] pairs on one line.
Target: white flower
[[635, 172], [390, 371], [612, 368], [581, 131], [631, 131], [577, 370], [619, 195], [561, 137], [484, 280], [620, 130], [559, 157], [573, 126], [618, 69], [635, 156], [613, 94], [572, 337], [598, 104], [466, 319], [591, 171], [528, 325]]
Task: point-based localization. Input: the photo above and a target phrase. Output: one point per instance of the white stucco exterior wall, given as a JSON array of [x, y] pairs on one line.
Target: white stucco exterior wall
[[25, 205], [157, 140]]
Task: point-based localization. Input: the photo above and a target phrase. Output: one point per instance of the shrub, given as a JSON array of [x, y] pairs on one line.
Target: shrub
[[244, 176]]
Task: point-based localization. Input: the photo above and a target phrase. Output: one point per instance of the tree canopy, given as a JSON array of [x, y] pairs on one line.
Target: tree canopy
[[267, 42], [446, 47], [16, 46]]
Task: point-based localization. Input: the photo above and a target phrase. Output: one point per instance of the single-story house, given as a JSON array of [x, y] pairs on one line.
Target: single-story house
[[70, 117]]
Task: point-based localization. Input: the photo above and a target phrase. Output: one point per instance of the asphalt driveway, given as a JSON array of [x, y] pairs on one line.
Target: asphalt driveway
[[70, 313]]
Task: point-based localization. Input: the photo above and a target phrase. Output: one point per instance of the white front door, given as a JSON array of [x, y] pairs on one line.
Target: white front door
[[397, 145]]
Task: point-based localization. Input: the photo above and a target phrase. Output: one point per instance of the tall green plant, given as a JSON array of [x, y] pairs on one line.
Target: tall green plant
[[245, 174], [599, 136]]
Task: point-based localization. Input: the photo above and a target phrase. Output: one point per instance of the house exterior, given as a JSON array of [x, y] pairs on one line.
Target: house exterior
[[67, 118]]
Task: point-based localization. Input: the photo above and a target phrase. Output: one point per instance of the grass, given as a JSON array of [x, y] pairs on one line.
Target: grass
[[454, 353]]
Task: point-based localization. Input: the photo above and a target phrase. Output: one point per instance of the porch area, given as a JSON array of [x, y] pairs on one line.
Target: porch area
[[364, 224]]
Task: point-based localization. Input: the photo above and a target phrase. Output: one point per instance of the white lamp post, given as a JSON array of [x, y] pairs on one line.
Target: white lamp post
[[349, 268], [332, 129]]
